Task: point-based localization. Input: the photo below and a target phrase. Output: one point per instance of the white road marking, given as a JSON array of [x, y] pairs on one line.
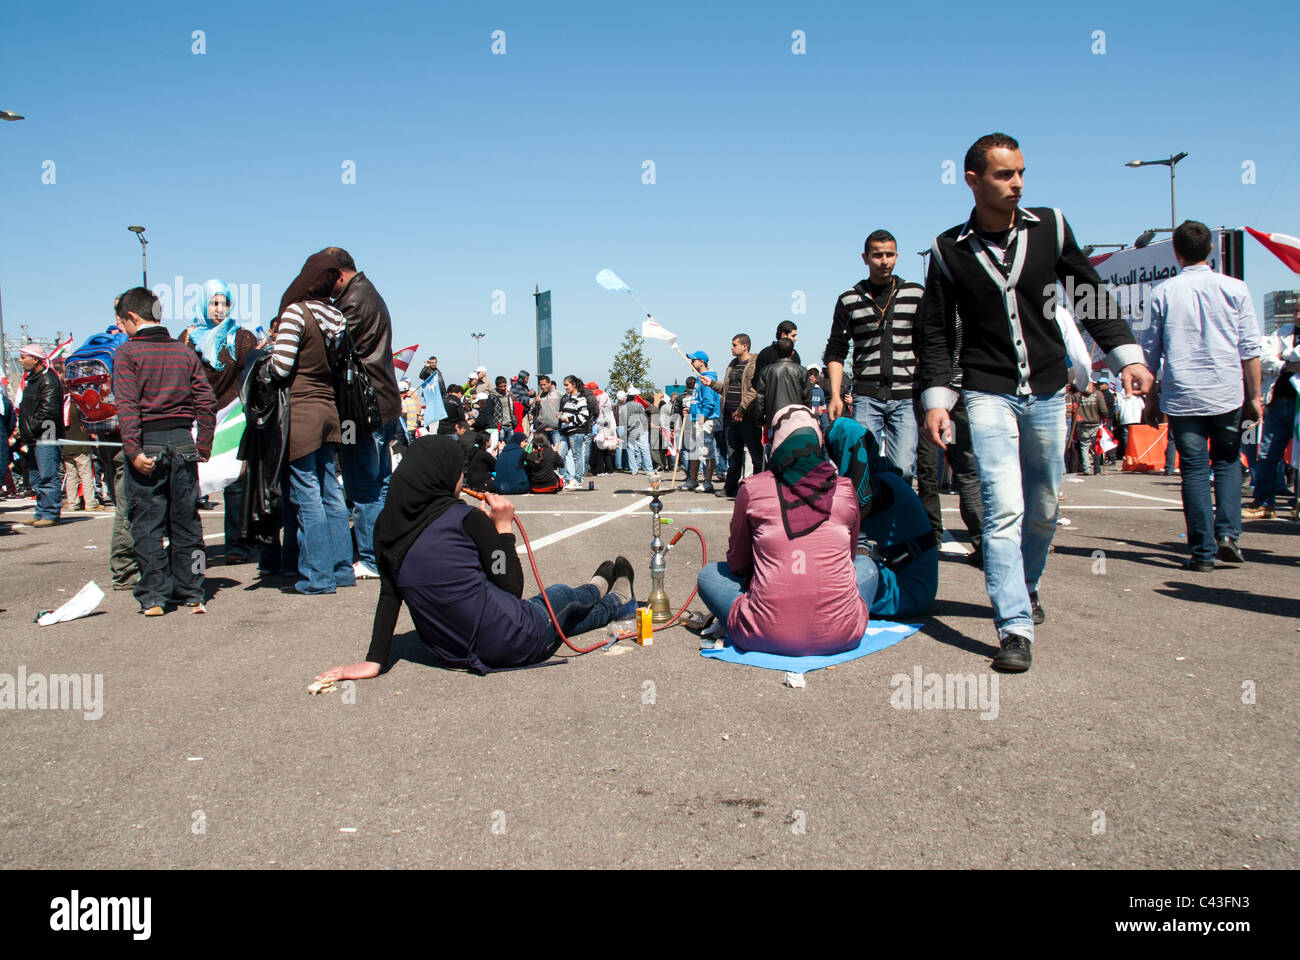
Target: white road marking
[[585, 525], [1111, 506], [1143, 496]]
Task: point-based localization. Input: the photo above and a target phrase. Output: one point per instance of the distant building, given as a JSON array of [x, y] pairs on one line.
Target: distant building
[[1279, 310]]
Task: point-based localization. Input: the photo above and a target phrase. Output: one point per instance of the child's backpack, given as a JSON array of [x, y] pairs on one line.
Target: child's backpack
[[89, 376]]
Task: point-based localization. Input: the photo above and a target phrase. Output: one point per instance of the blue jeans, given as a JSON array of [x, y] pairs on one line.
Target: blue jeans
[[638, 452], [1274, 434], [324, 547], [1205, 521], [49, 492], [367, 465], [892, 423], [575, 457], [578, 609], [561, 448], [874, 580], [1019, 447], [719, 588]]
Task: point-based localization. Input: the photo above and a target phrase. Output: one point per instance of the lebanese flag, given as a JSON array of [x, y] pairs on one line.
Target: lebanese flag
[[1286, 248], [402, 359], [1105, 442]]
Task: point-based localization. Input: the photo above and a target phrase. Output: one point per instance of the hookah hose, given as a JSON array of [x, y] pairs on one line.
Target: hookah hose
[[555, 621]]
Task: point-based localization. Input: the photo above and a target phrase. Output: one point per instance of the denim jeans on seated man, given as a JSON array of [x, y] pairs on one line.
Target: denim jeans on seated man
[[1274, 435], [366, 466], [893, 422], [45, 480], [164, 503], [324, 546], [1019, 447], [1208, 521]]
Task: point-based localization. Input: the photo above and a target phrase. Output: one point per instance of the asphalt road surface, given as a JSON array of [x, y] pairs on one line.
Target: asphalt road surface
[[1158, 726]]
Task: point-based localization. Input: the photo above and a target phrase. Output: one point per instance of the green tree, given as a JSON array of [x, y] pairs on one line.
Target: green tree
[[630, 366]]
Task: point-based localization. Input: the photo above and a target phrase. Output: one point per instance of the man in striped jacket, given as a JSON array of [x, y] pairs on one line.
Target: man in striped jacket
[[161, 391], [878, 315]]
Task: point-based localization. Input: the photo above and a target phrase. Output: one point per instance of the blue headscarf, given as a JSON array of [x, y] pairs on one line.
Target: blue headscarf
[[207, 336]]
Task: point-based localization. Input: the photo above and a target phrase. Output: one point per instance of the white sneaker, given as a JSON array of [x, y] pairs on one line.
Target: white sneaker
[[363, 572]]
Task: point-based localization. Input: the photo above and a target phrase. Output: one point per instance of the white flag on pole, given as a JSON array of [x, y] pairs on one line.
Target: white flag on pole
[[651, 330]]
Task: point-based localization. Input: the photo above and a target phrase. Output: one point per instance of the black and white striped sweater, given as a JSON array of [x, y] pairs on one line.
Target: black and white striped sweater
[[884, 359]]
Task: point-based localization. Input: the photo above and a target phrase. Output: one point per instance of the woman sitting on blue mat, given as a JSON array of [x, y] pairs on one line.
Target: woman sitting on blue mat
[[457, 571], [788, 585], [902, 579]]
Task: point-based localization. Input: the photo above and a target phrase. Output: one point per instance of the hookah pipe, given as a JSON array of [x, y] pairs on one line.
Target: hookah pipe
[[704, 558]]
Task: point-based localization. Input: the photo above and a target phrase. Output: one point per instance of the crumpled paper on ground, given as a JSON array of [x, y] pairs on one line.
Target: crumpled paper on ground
[[86, 600]]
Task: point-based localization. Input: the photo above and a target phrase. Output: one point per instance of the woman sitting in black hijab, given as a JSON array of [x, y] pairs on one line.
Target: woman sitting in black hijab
[[456, 569]]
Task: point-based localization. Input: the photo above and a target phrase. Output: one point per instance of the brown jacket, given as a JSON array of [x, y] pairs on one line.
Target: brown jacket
[[313, 416], [747, 392]]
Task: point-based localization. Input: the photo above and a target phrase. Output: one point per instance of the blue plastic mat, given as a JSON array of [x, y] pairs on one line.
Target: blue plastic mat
[[881, 634]]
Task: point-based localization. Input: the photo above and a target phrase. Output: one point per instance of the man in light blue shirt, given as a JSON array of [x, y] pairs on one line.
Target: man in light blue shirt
[[1204, 332], [706, 408]]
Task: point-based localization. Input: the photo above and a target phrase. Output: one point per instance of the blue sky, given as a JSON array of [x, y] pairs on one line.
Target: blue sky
[[477, 173]]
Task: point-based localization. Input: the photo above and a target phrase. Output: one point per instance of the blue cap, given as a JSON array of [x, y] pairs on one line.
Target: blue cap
[[699, 355]]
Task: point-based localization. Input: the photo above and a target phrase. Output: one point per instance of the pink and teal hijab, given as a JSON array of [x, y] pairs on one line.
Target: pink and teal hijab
[[805, 479]]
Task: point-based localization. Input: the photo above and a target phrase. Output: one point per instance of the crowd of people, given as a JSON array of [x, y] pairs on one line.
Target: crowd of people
[[955, 383]]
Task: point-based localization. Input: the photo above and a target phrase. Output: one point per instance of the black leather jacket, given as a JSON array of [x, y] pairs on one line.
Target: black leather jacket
[[263, 448], [778, 385], [42, 403], [372, 336]]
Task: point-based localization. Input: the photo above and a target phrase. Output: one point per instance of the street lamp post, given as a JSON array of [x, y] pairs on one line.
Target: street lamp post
[[4, 347], [478, 343], [1092, 248], [1170, 163], [144, 262], [924, 263], [4, 352]]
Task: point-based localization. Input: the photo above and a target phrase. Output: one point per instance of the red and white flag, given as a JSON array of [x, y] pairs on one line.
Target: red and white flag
[[61, 349], [402, 359], [1283, 246], [1105, 442]]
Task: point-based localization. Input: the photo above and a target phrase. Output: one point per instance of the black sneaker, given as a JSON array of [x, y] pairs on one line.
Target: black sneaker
[[1036, 608], [1229, 552], [1015, 656], [1198, 566], [976, 558], [689, 485]]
